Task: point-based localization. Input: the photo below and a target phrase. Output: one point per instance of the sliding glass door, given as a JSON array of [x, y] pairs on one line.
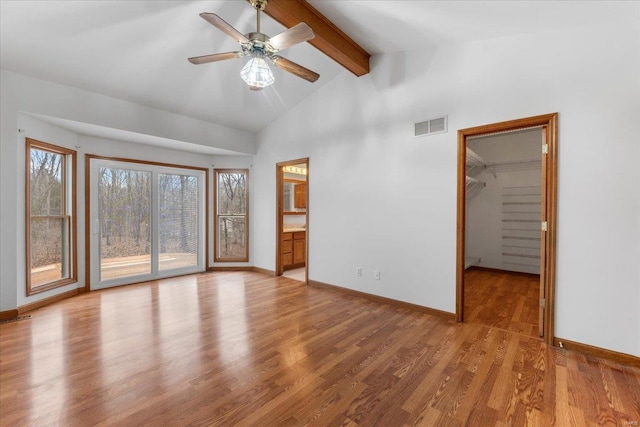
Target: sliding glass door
[[148, 222]]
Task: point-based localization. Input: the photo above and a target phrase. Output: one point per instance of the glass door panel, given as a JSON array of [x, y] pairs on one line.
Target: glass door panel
[[125, 222], [178, 221]]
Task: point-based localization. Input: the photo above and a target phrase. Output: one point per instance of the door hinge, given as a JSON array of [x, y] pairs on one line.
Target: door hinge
[[544, 226], [543, 303], [545, 148]]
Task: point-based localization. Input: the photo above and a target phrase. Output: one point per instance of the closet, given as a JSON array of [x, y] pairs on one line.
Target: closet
[[503, 201]]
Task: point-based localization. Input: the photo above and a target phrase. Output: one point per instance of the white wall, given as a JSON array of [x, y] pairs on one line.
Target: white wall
[[294, 221], [21, 94], [381, 199]]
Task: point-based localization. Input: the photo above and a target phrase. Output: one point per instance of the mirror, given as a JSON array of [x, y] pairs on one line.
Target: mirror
[[294, 196]]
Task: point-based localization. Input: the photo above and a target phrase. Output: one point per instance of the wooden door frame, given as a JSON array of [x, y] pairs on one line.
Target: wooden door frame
[[279, 216], [549, 122]]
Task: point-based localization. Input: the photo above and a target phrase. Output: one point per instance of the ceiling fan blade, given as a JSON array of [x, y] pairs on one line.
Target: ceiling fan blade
[[294, 68], [294, 35], [224, 26], [215, 57]]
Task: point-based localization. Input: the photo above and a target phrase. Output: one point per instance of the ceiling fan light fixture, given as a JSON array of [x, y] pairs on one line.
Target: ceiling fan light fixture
[[257, 74]]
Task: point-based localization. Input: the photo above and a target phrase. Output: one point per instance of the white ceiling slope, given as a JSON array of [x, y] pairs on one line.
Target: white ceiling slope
[[137, 50]]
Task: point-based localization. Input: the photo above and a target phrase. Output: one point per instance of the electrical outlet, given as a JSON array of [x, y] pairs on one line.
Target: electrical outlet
[[359, 271], [376, 275]]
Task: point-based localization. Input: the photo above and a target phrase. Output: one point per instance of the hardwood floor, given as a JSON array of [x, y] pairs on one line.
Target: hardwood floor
[[502, 300], [248, 349]]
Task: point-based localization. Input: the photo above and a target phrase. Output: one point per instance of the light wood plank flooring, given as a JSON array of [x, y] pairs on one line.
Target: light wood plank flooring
[[239, 348], [502, 300]]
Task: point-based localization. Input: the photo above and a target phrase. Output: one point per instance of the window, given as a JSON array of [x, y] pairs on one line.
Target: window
[[231, 215], [50, 216]]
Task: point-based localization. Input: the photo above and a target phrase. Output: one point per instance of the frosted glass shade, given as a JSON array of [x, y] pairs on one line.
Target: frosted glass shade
[[257, 74]]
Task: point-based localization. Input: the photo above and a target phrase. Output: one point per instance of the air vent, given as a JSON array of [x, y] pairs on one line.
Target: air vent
[[431, 126]]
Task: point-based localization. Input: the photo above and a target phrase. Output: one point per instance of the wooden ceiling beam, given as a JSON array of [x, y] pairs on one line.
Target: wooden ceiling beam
[[329, 39]]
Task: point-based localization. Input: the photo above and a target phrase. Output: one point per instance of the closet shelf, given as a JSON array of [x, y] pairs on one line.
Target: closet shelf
[[471, 180], [474, 161], [515, 165], [473, 183]]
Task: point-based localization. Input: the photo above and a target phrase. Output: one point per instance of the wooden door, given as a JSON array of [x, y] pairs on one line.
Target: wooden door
[[543, 232]]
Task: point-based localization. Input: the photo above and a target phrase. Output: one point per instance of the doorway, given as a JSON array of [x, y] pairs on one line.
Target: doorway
[[292, 219], [520, 257]]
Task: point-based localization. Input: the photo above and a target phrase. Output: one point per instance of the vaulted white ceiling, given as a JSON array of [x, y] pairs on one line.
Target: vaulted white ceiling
[[137, 50]]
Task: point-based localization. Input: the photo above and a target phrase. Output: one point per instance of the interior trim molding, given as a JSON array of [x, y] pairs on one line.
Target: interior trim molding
[[9, 314], [243, 268], [263, 271], [231, 268], [603, 353], [384, 300], [497, 270], [46, 301], [549, 126]]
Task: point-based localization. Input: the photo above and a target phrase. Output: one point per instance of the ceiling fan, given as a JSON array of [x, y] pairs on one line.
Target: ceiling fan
[[256, 73]]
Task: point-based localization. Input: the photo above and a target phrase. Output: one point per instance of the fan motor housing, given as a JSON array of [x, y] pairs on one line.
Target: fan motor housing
[[257, 37], [259, 4]]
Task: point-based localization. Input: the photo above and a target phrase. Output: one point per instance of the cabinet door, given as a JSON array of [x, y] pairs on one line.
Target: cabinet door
[[287, 259], [299, 250], [287, 249], [300, 196]]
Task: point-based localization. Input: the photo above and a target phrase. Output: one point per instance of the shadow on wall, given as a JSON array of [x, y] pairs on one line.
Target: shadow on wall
[[394, 69]]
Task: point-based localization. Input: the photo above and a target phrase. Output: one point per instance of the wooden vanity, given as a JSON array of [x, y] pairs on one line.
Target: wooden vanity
[[294, 247]]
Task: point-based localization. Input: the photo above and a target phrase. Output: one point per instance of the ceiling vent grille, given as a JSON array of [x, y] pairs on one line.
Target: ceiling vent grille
[[431, 126]]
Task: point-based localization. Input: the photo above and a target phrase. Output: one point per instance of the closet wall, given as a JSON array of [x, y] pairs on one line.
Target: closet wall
[[503, 206]]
